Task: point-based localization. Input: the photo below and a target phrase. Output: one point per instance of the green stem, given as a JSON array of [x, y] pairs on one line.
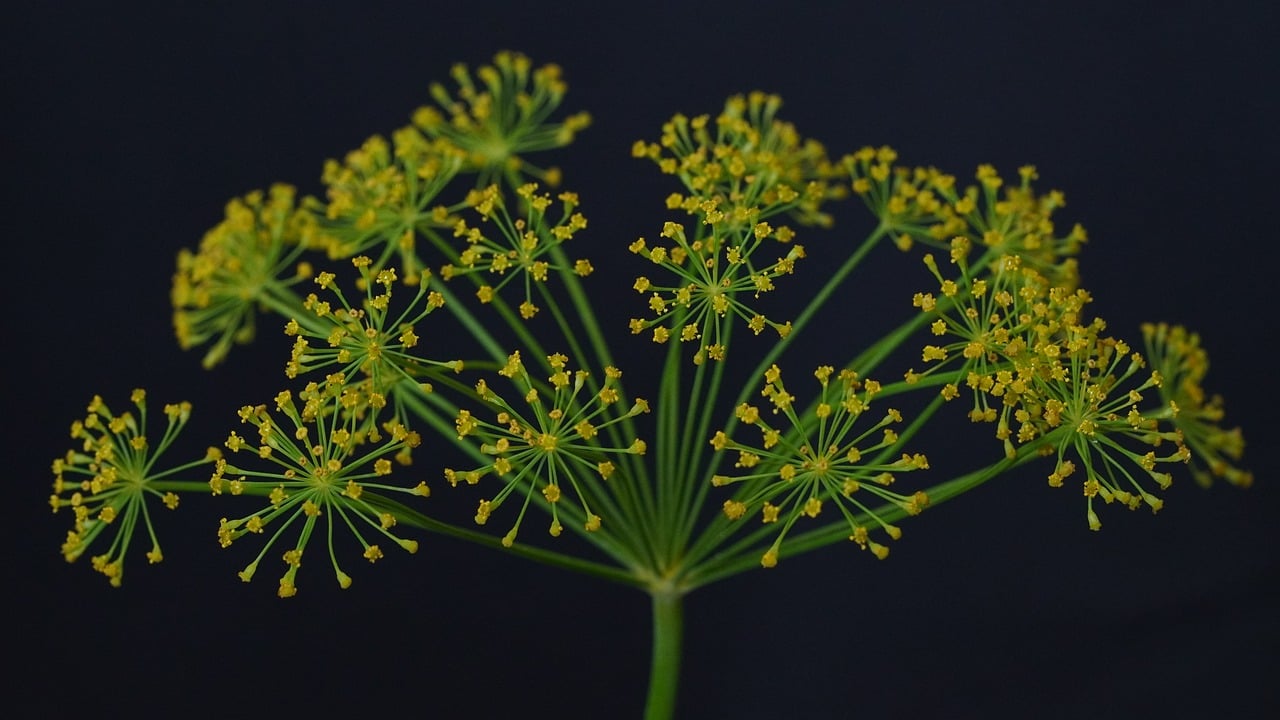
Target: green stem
[[414, 518], [625, 486], [736, 558], [193, 486], [638, 470], [709, 539], [664, 674], [620, 547], [693, 493], [815, 303]]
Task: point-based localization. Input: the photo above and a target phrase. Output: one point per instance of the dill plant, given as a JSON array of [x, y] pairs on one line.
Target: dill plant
[[450, 228]]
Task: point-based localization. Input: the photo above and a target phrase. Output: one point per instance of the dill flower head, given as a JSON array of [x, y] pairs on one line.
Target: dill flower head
[[364, 335], [826, 457], [983, 319], [109, 481], [245, 262], [381, 198], [1176, 354], [925, 205], [746, 157], [742, 173], [500, 115], [321, 468], [521, 247], [715, 282], [548, 443], [1041, 373], [1094, 402]]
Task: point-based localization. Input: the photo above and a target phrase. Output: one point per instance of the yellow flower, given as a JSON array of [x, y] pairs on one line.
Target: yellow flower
[[1175, 353], [741, 172], [365, 336], [525, 247], [824, 458], [925, 205], [501, 118], [553, 443], [107, 482], [324, 468], [1086, 404], [746, 158], [380, 198], [246, 261]]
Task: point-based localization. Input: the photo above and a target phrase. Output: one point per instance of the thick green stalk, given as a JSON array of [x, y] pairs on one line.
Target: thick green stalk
[[664, 673]]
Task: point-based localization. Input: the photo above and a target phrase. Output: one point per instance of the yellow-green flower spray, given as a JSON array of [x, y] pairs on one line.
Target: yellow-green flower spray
[[449, 230]]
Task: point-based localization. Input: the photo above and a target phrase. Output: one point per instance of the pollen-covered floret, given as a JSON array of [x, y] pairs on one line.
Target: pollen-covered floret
[[384, 196], [107, 481], [320, 467], [500, 115], [520, 246], [559, 436], [247, 261], [716, 282], [825, 458], [1216, 451], [364, 335], [926, 205]]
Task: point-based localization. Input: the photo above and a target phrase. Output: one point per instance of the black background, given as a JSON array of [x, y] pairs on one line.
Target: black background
[[129, 127]]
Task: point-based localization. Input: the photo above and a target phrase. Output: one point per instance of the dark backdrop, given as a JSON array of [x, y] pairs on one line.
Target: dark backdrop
[[129, 127]]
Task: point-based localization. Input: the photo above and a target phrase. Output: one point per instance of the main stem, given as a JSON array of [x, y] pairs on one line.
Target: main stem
[[664, 673]]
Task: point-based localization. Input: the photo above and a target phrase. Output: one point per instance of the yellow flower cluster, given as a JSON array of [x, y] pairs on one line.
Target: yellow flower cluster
[[525, 245], [325, 462], [747, 160], [368, 338], [1176, 354], [552, 444], [1091, 395], [245, 263], [1041, 372], [105, 483], [503, 116], [825, 458], [983, 316], [741, 171], [925, 205], [381, 198], [711, 287]]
